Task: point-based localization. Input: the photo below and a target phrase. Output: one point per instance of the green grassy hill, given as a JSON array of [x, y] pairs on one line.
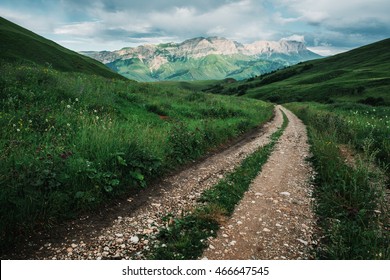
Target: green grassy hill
[[72, 138], [361, 75], [22, 45]]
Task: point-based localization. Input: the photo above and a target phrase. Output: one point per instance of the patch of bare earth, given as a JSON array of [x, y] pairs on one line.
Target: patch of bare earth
[[275, 219], [131, 224]]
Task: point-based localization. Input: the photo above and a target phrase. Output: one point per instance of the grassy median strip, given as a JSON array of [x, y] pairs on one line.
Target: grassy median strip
[[186, 237]]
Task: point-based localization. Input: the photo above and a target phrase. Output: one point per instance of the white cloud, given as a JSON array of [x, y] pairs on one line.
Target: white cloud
[[81, 29], [295, 37], [336, 13], [217, 30], [327, 50], [320, 23]]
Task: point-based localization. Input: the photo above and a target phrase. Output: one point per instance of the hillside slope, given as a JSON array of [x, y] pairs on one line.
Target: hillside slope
[[362, 74], [71, 140], [20, 44]]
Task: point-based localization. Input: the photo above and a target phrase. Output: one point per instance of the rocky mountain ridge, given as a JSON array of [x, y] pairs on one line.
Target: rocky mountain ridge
[[186, 60]]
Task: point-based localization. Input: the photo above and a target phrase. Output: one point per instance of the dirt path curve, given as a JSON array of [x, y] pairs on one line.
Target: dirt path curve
[[127, 234], [274, 220]]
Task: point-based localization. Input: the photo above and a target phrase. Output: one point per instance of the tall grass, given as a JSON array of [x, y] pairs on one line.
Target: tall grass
[[350, 198], [70, 142]]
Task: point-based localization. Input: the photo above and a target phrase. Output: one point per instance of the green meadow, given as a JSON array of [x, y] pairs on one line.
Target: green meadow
[[70, 142]]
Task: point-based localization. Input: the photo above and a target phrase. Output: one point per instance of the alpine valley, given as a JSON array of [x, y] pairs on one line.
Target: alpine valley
[[212, 58]]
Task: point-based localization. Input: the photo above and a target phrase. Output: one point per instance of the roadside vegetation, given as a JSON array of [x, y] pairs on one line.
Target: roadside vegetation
[[71, 142], [351, 154], [186, 237]]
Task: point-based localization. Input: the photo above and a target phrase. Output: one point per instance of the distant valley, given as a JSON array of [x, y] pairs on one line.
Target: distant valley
[[203, 59]]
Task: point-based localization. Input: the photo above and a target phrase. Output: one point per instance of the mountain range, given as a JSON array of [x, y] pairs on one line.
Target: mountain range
[[360, 75], [203, 59]]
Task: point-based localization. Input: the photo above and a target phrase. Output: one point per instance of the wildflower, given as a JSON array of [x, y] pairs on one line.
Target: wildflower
[[97, 117], [77, 100], [68, 124], [68, 106], [18, 130]]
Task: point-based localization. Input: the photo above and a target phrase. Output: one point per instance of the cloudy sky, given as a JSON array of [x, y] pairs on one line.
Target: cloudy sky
[[327, 26]]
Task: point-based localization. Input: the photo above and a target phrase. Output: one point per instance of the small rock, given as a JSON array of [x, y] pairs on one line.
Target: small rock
[[232, 243], [211, 247], [134, 239], [239, 223], [225, 235], [303, 242], [147, 231], [266, 230], [73, 245], [119, 235], [69, 250], [278, 225], [119, 240], [285, 193]]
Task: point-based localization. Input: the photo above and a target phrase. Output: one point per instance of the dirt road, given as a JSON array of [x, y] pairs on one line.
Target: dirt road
[[274, 220], [124, 231]]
